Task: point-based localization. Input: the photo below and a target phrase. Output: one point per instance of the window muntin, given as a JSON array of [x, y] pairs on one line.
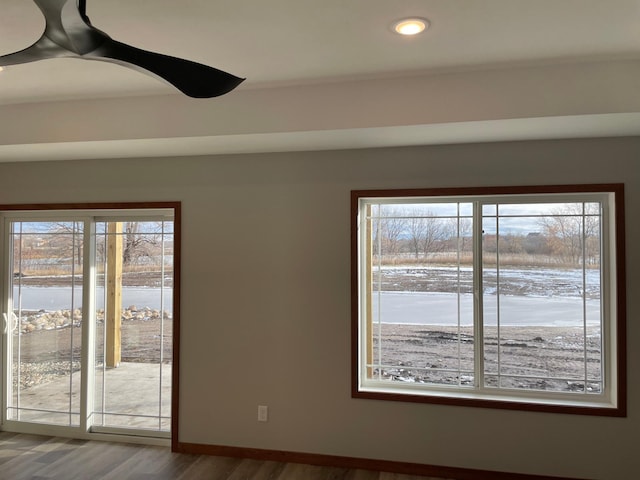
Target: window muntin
[[542, 331]]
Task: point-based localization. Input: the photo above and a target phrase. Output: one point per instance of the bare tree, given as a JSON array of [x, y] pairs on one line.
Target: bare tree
[[416, 228], [65, 240], [388, 229], [140, 239], [393, 226], [459, 233], [573, 232], [426, 233]]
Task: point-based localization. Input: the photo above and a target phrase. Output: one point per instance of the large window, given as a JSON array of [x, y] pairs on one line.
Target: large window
[[495, 297]]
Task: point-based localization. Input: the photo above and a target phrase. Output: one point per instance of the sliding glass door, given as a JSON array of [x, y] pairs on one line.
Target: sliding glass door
[[88, 317]]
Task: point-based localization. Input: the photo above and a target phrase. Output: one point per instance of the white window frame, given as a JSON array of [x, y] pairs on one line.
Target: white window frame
[[610, 402]]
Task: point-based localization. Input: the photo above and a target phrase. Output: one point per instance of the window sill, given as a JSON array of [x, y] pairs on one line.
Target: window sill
[[580, 404]]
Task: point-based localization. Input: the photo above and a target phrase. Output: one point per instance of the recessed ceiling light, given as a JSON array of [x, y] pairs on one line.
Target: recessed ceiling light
[[411, 26]]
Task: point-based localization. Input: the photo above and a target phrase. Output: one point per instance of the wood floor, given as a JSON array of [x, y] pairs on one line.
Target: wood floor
[[33, 457]]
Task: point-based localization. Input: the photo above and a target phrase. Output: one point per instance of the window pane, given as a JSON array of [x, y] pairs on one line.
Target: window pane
[[134, 329], [46, 322], [421, 304], [541, 280]]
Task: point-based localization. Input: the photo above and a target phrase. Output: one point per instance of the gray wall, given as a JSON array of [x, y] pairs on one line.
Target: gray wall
[[266, 306]]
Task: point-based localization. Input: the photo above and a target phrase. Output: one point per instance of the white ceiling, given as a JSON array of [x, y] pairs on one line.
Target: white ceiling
[[284, 45], [292, 41]]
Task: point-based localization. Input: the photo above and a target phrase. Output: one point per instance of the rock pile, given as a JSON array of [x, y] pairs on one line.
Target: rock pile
[[51, 320]]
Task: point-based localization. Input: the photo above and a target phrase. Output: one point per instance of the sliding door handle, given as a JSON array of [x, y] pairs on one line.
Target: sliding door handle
[[14, 321]]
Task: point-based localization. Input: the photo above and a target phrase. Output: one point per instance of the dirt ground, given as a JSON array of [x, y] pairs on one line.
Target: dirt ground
[[544, 358], [46, 354], [140, 342]]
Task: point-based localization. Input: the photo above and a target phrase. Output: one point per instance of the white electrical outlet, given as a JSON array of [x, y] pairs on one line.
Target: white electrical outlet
[[263, 413]]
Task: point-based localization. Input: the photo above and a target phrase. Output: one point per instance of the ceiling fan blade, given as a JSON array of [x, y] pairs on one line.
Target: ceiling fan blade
[[43, 49], [69, 33], [191, 78]]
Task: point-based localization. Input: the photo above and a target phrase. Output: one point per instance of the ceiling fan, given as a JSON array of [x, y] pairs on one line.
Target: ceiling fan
[[69, 33]]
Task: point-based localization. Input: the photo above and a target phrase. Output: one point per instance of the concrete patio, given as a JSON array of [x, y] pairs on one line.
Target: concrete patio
[[127, 396]]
